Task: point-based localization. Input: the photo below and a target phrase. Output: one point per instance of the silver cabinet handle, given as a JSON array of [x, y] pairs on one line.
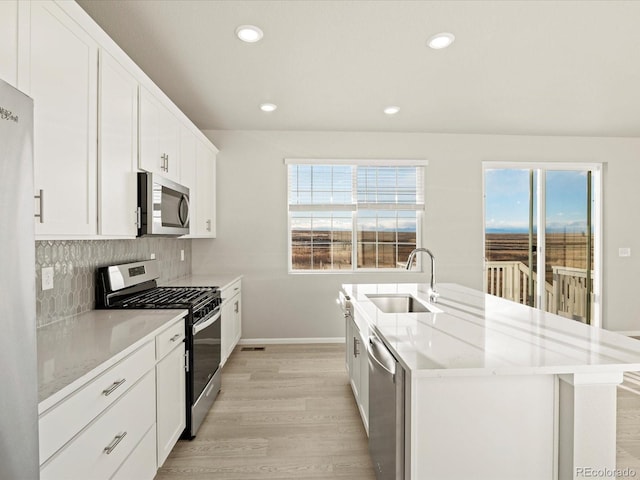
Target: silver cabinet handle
[[208, 225], [114, 443], [356, 352], [108, 391], [175, 337], [40, 215], [237, 307]]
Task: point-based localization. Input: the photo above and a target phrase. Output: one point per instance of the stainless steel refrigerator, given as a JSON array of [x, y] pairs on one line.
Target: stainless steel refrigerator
[[18, 363]]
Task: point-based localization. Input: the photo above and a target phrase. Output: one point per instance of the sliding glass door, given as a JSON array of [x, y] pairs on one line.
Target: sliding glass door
[[541, 236]]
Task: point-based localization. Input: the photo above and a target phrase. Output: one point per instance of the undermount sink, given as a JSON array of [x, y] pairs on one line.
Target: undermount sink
[[398, 303]]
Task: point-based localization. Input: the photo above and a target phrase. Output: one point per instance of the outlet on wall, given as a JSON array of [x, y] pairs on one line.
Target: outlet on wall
[[152, 256], [47, 278], [624, 252], [182, 255]]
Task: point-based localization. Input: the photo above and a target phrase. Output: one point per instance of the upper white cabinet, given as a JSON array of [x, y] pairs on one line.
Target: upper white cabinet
[[60, 71], [188, 172], [97, 121], [117, 149], [9, 41], [204, 225], [159, 138]]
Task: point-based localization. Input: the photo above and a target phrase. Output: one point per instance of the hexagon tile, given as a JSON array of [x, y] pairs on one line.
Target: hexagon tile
[[75, 263]]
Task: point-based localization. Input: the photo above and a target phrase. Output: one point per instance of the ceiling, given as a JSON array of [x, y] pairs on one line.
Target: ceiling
[[516, 67]]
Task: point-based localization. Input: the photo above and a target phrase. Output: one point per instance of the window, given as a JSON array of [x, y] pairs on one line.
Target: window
[[353, 215]]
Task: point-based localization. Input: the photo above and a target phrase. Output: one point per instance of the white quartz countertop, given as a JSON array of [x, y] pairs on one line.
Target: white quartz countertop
[[71, 350], [220, 280], [479, 334]]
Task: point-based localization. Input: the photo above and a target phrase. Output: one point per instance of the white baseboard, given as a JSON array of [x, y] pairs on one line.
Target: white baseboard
[[284, 341]]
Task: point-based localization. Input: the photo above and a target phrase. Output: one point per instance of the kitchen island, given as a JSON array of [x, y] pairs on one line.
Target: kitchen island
[[498, 390]]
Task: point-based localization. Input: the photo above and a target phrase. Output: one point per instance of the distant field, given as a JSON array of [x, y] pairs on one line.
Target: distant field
[[323, 247], [562, 249]]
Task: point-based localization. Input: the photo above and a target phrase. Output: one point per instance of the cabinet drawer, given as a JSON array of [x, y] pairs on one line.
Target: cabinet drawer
[[229, 292], [169, 339], [141, 464], [59, 424], [100, 449]]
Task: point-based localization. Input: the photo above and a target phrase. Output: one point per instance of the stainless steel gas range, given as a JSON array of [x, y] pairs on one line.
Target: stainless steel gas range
[[134, 285]]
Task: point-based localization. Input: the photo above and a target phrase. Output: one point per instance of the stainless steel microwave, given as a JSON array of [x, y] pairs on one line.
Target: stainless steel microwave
[[163, 206]]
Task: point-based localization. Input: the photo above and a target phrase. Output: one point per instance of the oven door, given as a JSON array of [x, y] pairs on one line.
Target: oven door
[[206, 371]]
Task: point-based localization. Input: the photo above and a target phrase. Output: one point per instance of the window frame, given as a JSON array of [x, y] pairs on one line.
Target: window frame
[[354, 224]]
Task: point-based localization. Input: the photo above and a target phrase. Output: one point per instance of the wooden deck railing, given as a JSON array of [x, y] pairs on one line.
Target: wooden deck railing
[[566, 296]]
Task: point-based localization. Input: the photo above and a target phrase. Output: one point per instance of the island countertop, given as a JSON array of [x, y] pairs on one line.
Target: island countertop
[[472, 333]]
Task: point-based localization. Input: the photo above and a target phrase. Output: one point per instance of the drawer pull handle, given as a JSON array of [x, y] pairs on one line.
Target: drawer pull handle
[[112, 388], [114, 443], [175, 337]]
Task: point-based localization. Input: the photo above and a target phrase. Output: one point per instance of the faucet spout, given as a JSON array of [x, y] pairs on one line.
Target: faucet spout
[[433, 295]]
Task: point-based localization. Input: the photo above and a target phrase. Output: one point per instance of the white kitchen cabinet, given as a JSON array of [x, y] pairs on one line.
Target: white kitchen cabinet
[[358, 367], [101, 448], [58, 68], [188, 172], [117, 149], [170, 395], [159, 138], [9, 41], [124, 420], [231, 327], [205, 198]]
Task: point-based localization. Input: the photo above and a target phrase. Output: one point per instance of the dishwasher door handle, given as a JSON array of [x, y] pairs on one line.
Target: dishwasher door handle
[[379, 353]]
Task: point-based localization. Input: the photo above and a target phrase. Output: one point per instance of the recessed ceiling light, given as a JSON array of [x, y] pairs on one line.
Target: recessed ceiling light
[[441, 40], [249, 33], [268, 107], [391, 110]]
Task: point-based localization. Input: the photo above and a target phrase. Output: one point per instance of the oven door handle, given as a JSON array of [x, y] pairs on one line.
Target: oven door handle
[[202, 324]]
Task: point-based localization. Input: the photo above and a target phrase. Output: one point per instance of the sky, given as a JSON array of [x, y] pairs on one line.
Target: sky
[[507, 201]]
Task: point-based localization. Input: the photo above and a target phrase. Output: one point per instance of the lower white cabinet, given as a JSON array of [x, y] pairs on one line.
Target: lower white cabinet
[[122, 423], [358, 367], [141, 463], [105, 444], [170, 390], [231, 328]]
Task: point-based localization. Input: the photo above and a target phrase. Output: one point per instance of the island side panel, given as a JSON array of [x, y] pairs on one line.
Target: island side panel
[[502, 427], [587, 443]]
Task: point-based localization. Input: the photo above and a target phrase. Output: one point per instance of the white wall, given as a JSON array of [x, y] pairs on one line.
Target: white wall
[[252, 218]]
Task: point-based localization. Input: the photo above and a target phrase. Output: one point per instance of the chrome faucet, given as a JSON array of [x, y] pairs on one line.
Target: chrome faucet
[[433, 295]]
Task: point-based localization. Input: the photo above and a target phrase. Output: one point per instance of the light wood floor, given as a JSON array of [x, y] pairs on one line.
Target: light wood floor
[[284, 413], [288, 413]]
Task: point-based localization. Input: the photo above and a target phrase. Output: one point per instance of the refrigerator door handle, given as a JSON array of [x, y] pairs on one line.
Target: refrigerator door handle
[[40, 197]]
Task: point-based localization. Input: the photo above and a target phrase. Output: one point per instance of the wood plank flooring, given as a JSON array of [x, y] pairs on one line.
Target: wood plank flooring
[[283, 413], [288, 413]]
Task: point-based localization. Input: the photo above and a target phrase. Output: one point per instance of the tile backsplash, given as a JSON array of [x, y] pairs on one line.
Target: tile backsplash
[[75, 263]]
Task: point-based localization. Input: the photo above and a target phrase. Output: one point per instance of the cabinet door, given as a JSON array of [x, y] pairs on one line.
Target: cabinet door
[[363, 392], [188, 173], [226, 329], [169, 143], [9, 41], [159, 134], [206, 192], [237, 320], [171, 401], [62, 79], [151, 159], [117, 149]]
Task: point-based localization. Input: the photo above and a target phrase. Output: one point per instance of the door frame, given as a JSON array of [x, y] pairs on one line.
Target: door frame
[[541, 167]]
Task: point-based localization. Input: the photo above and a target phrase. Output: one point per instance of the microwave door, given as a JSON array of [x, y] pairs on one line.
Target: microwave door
[[163, 206]]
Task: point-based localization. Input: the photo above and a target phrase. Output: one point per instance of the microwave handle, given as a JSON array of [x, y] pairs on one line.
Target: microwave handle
[[185, 221]]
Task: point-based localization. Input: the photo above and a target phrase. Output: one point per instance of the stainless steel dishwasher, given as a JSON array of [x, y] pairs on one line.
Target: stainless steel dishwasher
[[386, 411]]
